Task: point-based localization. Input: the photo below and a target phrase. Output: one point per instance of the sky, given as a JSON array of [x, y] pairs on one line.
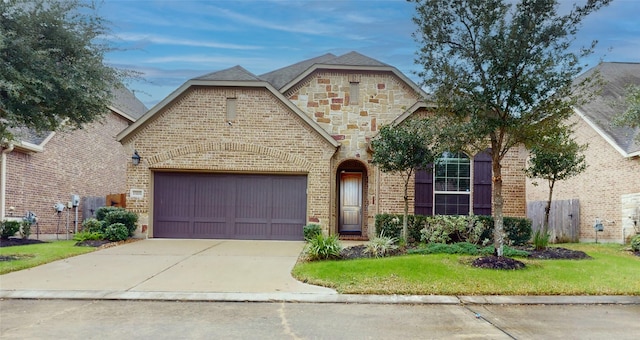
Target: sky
[[171, 41]]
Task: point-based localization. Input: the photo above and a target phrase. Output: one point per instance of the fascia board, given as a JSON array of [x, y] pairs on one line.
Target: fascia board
[[603, 134], [119, 112]]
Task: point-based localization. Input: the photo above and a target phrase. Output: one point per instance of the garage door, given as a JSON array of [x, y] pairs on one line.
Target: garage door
[[256, 207]]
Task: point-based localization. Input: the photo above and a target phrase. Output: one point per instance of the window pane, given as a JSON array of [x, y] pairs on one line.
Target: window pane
[[447, 204]]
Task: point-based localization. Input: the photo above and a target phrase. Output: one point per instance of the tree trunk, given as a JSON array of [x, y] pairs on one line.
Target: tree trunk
[[547, 209], [498, 203]]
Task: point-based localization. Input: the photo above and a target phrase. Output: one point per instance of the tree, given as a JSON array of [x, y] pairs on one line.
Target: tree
[[403, 149], [556, 158], [52, 72], [631, 117], [504, 71]]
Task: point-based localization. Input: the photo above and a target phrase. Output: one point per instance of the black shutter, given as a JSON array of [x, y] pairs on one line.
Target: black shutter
[[423, 203], [482, 183]]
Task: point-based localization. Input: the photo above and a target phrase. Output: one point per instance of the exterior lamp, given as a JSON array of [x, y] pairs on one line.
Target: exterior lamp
[[135, 159]]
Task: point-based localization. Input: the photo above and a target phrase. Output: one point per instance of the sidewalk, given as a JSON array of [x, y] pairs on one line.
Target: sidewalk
[[214, 270]]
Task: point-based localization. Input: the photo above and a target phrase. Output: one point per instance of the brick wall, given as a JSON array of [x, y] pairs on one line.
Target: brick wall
[[266, 137], [86, 162], [600, 189]]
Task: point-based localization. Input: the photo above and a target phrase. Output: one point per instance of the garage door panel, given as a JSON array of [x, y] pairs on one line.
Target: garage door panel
[[210, 229], [229, 206], [172, 229]]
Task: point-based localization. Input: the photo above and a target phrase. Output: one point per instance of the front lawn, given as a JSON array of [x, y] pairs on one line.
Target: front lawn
[[27, 256], [612, 271]]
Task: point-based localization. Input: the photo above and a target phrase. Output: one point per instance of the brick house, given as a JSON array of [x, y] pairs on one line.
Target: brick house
[[234, 155], [40, 170], [609, 189]]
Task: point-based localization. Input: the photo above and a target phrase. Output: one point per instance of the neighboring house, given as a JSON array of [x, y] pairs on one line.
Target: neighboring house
[[40, 170], [609, 189], [234, 155]]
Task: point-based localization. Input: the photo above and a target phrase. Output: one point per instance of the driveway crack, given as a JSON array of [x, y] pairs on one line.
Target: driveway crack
[[479, 316]]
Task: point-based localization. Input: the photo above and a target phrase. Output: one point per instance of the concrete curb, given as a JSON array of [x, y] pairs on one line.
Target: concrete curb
[[320, 298]]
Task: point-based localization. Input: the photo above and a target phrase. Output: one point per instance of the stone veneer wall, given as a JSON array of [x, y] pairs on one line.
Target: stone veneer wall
[[609, 178], [192, 133], [382, 97]]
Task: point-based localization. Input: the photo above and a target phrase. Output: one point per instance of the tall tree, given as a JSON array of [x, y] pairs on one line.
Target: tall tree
[[557, 157], [505, 71], [52, 70], [403, 149]]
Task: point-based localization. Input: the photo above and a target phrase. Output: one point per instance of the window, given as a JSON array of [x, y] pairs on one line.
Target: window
[[452, 184], [447, 187], [354, 90]]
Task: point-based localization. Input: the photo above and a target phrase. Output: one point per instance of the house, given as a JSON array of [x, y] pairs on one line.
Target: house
[[41, 170], [234, 155], [609, 189]]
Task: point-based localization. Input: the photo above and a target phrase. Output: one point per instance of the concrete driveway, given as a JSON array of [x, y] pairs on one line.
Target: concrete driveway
[[163, 265]]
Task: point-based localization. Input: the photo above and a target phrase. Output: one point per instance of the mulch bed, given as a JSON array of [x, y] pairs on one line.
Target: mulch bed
[[491, 262], [17, 242]]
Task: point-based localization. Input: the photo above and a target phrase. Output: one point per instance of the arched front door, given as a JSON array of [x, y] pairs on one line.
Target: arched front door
[[350, 202]]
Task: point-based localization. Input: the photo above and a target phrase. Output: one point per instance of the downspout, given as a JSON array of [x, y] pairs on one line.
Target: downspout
[[3, 180]]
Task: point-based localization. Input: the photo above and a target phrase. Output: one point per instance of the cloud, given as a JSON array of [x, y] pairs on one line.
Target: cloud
[[154, 39]]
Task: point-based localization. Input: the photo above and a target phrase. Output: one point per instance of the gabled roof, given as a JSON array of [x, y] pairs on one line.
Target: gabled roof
[[123, 103], [285, 75], [232, 77], [285, 78], [610, 102]]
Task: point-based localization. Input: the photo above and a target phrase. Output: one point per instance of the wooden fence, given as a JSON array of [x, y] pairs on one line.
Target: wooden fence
[[564, 219]]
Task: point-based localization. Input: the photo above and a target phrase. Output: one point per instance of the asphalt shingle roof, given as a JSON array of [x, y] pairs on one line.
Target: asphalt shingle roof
[[125, 101], [285, 75], [610, 102], [236, 73]]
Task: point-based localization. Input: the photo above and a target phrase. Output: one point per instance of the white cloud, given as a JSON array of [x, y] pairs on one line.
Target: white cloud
[[148, 38]]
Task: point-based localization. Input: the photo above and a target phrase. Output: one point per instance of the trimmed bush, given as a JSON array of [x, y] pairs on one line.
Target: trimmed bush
[[323, 248], [103, 211], [120, 215], [116, 232], [92, 225], [9, 229], [635, 243], [311, 231], [88, 236]]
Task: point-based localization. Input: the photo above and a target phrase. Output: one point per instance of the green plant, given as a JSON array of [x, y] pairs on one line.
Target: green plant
[[93, 225], [120, 215], [441, 228], [25, 228], [102, 212], [323, 247], [116, 232], [311, 230], [9, 229], [381, 246], [540, 239], [88, 235], [635, 243]]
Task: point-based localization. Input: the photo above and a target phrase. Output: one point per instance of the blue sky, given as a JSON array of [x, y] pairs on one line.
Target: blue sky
[[172, 41]]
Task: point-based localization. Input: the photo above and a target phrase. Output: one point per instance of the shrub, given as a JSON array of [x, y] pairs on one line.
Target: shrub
[[103, 211], [635, 243], [25, 229], [391, 225], [465, 248], [540, 240], [323, 247], [518, 230], [116, 232], [88, 235], [9, 229], [120, 215], [441, 228], [92, 225], [381, 246], [311, 230]]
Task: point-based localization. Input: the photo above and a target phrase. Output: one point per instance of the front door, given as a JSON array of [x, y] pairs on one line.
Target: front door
[[350, 202]]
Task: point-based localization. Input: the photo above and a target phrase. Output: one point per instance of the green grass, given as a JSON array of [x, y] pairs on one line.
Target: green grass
[[36, 254], [612, 271]]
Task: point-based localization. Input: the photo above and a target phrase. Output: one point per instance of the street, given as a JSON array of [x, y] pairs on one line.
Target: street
[[107, 319]]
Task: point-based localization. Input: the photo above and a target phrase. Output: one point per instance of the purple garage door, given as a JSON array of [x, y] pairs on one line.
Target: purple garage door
[[254, 207]]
